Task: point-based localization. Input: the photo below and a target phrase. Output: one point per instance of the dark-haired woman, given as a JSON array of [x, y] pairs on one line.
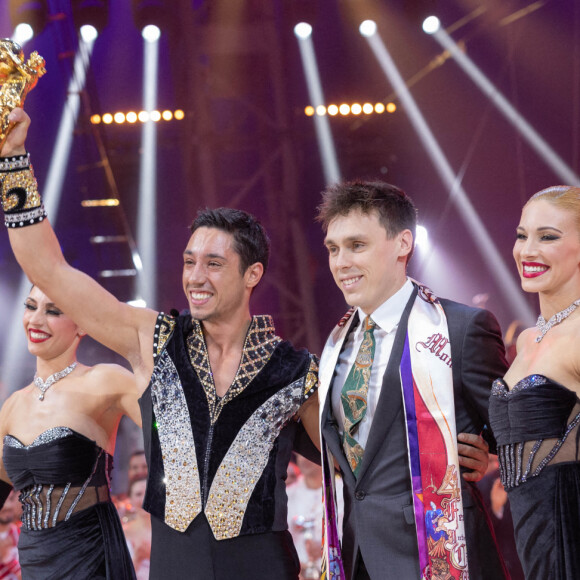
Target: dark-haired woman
[[59, 437]]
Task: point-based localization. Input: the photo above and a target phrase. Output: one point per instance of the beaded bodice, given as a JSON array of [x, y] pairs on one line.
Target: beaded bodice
[[536, 424], [59, 474]]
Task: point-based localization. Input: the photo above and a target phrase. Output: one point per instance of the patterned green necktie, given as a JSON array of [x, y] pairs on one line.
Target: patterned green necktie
[[354, 396]]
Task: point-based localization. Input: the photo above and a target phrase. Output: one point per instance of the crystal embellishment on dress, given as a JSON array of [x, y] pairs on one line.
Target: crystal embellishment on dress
[[43, 386], [544, 326]]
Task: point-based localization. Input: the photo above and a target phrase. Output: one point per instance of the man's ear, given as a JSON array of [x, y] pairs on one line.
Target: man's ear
[[406, 242], [254, 274]]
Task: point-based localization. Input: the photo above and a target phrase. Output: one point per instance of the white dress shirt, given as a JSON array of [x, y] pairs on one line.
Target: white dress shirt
[[386, 317]]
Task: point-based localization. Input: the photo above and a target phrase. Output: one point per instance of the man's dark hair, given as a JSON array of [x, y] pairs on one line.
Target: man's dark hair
[[395, 209], [251, 242], [135, 453]]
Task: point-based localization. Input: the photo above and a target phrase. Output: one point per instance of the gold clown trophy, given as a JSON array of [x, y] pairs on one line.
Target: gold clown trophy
[[17, 78]]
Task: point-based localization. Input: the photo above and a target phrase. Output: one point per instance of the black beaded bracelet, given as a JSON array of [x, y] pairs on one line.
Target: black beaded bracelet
[[14, 163]]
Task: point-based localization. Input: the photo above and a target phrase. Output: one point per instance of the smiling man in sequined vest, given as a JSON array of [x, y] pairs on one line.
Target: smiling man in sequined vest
[[220, 391]]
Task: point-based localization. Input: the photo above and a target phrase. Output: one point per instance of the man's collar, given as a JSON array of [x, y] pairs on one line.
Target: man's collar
[[388, 314]]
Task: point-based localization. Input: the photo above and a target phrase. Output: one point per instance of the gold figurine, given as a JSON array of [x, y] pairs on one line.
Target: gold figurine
[[17, 78]]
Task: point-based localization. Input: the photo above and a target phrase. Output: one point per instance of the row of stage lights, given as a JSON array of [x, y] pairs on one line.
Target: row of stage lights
[[134, 117], [30, 17], [368, 28], [346, 109]]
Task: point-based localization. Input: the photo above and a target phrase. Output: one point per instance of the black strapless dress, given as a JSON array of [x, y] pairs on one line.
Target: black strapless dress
[[70, 528], [536, 428]]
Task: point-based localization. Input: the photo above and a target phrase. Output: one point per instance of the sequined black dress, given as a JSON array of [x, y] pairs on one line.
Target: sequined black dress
[[536, 428], [70, 528]]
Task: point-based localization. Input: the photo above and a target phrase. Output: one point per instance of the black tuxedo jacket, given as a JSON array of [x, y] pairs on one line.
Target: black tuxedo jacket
[[379, 523]]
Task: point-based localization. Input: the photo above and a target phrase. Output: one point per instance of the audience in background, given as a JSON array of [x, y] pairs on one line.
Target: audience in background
[[137, 465], [136, 470], [137, 528], [305, 515], [9, 533], [293, 472]]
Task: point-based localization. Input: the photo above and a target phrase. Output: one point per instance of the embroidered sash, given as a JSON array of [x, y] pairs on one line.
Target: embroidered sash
[[428, 398], [429, 405]]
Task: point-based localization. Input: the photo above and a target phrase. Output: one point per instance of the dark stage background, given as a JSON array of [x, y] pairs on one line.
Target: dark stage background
[[234, 67]]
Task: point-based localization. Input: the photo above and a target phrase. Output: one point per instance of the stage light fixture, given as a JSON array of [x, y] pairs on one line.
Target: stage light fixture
[[90, 12], [368, 28], [109, 202], [431, 24], [119, 118], [33, 13], [179, 114], [107, 118], [167, 115], [131, 117], [88, 33], [303, 30], [22, 34], [151, 33], [422, 237], [345, 109]]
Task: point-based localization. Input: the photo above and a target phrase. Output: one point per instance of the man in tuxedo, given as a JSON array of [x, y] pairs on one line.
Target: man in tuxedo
[[400, 376]]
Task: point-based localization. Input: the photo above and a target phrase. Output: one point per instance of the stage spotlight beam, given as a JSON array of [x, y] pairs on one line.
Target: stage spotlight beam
[[489, 252], [146, 221], [52, 191], [326, 147], [532, 137], [422, 237]]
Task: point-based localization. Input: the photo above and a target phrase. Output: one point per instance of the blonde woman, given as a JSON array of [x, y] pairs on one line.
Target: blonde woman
[[535, 409]]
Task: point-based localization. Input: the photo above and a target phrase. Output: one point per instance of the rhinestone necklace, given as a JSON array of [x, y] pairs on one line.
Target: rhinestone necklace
[[44, 386], [544, 326]]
